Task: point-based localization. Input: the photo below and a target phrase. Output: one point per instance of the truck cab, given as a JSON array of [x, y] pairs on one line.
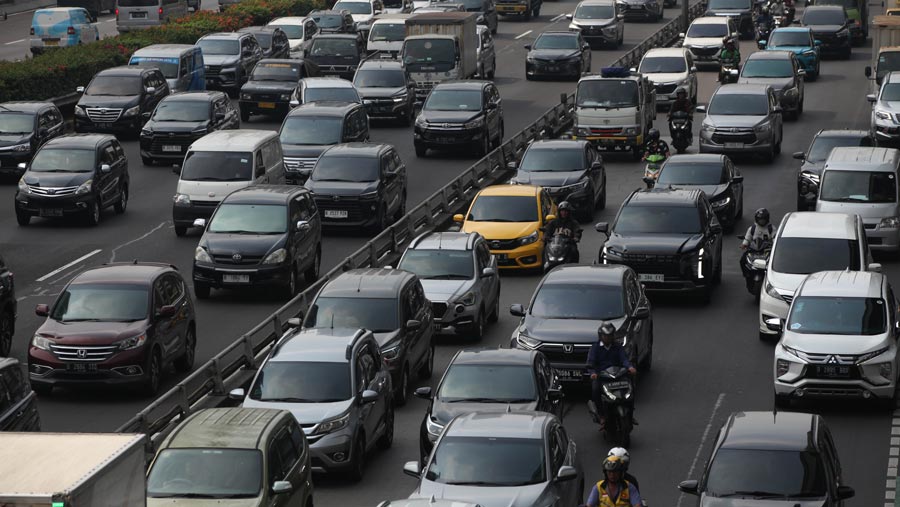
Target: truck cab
[[614, 110], [439, 46], [887, 61]]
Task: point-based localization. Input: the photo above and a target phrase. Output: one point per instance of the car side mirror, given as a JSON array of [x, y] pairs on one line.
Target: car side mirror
[[868, 71], [151, 89], [871, 97], [681, 35], [303, 226], [549, 217], [569, 17], [602, 227], [369, 396], [845, 492], [166, 311], [294, 103], [413, 324], [488, 272], [412, 469], [801, 73], [874, 267], [737, 178], [237, 394], [555, 394], [700, 109], [799, 155], [104, 168], [566, 473], [220, 116], [761, 44], [689, 487], [200, 222], [774, 324], [512, 165], [642, 312], [79, 89], [282, 487], [423, 392], [777, 110], [528, 47], [294, 322], [42, 310], [517, 310], [458, 218]]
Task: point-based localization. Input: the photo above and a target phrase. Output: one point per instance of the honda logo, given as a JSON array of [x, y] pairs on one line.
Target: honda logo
[[81, 353], [495, 244], [236, 257], [568, 348]]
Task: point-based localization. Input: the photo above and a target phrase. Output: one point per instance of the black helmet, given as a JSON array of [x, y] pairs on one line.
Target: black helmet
[[606, 328], [729, 41], [564, 206], [761, 217], [653, 134]]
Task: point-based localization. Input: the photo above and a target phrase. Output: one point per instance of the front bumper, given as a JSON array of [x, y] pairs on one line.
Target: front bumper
[[514, 9], [885, 130], [222, 80], [184, 215], [160, 145], [122, 368], [214, 275], [808, 62], [834, 44], [53, 207], [331, 452], [611, 137], [802, 380], [665, 273], [761, 143], [537, 68], [122, 125], [276, 107], [447, 138], [704, 55], [769, 308], [387, 108], [602, 35], [356, 212], [453, 318], [524, 257]]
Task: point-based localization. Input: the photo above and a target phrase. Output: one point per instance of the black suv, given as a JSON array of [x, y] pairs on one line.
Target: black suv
[[392, 304], [671, 237], [336, 54], [272, 40], [830, 25], [271, 86], [814, 161], [460, 113], [715, 175], [386, 90], [570, 170], [558, 54], [8, 307], [328, 21], [229, 58], [75, 174], [570, 304], [788, 459], [182, 118], [488, 380], [262, 235], [359, 185], [24, 127], [742, 11], [18, 403], [117, 99], [311, 128]]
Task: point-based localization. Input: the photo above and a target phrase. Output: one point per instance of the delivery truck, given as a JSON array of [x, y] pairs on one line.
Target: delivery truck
[[885, 49], [439, 46]]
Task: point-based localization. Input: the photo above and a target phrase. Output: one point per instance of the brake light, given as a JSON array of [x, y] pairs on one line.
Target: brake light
[[160, 11], [117, 13], [71, 30]]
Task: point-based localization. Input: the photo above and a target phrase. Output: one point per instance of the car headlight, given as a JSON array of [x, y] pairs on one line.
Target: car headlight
[[85, 187], [369, 195], [885, 369], [870, 355], [391, 354], [630, 131], [770, 290], [79, 111], [433, 427], [581, 185], [576, 58], [467, 299], [889, 223], [332, 425], [276, 257], [133, 342], [146, 132], [527, 342], [285, 96], [201, 255], [474, 124], [813, 177], [41, 342], [582, 131], [22, 147], [132, 111], [245, 96], [721, 203], [403, 97], [882, 115], [763, 127], [420, 122], [182, 199], [792, 351], [531, 238], [782, 366], [609, 251], [23, 187], [708, 128]]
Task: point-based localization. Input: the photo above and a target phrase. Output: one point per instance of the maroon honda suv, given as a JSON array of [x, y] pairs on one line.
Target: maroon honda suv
[[115, 324]]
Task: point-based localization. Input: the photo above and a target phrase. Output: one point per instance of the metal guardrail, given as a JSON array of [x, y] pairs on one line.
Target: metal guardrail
[[234, 366]]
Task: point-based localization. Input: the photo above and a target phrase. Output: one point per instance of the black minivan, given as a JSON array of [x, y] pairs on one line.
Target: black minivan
[[117, 99], [24, 127]]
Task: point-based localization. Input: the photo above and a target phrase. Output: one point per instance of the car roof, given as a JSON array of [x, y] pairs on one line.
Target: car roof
[[367, 150], [893, 77], [164, 49], [859, 284], [665, 197], [122, 272], [232, 427], [496, 356], [824, 8], [559, 32], [509, 190], [323, 108], [793, 29], [555, 144], [198, 95], [710, 20], [367, 283], [125, 70], [259, 29], [863, 158], [769, 431], [233, 140], [24, 106], [323, 345], [333, 35], [599, 274], [264, 194], [697, 158], [773, 54], [224, 35], [524, 424], [817, 224], [458, 241], [666, 52], [456, 84], [383, 64], [326, 82], [78, 140], [289, 20], [742, 88], [328, 12], [843, 133]]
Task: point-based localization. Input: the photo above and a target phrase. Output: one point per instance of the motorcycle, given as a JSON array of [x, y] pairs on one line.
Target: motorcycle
[[762, 32], [618, 391], [560, 250], [729, 73], [680, 128], [651, 171], [788, 17], [754, 265]]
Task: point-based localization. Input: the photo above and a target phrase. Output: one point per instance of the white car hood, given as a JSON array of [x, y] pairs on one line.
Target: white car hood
[[869, 212], [786, 284], [666, 77], [209, 190], [705, 42], [833, 343]]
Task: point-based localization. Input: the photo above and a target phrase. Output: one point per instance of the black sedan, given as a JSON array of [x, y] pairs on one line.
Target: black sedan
[[489, 380], [558, 54], [715, 175], [569, 170]]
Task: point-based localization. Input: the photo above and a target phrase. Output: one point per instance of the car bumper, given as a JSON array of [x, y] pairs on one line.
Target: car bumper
[[541, 68], [125, 367], [220, 275], [439, 139], [331, 452], [883, 239], [612, 142], [886, 131], [220, 81], [514, 9], [264, 107], [640, 12], [53, 207], [770, 307], [121, 125], [184, 215], [839, 46], [676, 277], [382, 109], [801, 380], [761, 145], [451, 318], [525, 257], [9, 161]]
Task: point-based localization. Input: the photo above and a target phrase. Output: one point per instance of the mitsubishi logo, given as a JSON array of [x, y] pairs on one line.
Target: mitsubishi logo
[[568, 348], [171, 134], [236, 257], [332, 68], [832, 360], [81, 353], [734, 130]]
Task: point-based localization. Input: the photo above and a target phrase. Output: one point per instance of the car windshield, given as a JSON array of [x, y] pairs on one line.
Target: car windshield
[[340, 168], [328, 20], [379, 78], [338, 94], [780, 38], [701, 30], [739, 104], [334, 47], [504, 208], [802, 256], [472, 5], [276, 72], [795, 474], [540, 159], [489, 382], [249, 219], [858, 186], [822, 145], [833, 315], [663, 64], [823, 17], [729, 4], [217, 166], [182, 110], [488, 461], [692, 173], [302, 382], [607, 93], [888, 61], [556, 42], [113, 302], [114, 85], [849, 4], [577, 301], [594, 12], [311, 130], [762, 67], [219, 46], [890, 92], [206, 473], [429, 51], [439, 264], [354, 7], [168, 66], [16, 123], [63, 160], [391, 32], [292, 31], [378, 315], [658, 220], [453, 100]]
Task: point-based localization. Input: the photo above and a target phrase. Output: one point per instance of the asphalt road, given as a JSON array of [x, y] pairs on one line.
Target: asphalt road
[[708, 361]]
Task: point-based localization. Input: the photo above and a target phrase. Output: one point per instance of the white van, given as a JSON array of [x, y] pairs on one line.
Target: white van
[[220, 163], [387, 33], [864, 181]]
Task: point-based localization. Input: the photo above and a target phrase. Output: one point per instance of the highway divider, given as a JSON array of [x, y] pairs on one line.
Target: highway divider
[[234, 367]]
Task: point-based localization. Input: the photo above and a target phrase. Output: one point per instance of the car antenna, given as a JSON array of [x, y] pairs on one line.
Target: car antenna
[[359, 285], [508, 408]]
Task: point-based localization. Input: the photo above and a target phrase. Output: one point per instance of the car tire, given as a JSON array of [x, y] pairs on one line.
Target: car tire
[[122, 204], [290, 286], [312, 274], [180, 230], [201, 290], [717, 274], [493, 72], [23, 218], [801, 204], [387, 438], [6, 333], [92, 217], [358, 460], [401, 392], [427, 368], [484, 147], [421, 151], [153, 374], [185, 363], [800, 106]]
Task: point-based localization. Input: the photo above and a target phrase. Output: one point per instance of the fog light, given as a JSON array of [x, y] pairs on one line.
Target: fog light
[[460, 308], [531, 259], [338, 456], [884, 369], [781, 367], [799, 393], [867, 394], [82, 205], [129, 370], [39, 369]]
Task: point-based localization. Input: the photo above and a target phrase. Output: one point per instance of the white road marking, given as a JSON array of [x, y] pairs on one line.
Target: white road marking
[[523, 35], [890, 491], [712, 417], [13, 42], [76, 261], [557, 18]]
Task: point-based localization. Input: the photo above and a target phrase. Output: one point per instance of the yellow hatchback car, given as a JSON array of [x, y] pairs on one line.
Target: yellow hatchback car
[[511, 218]]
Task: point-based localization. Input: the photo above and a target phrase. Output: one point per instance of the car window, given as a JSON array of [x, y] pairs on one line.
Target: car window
[[557, 451], [286, 452], [259, 166], [275, 469], [297, 439]]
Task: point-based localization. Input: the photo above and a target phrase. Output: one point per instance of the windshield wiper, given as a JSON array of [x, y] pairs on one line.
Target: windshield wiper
[[447, 276], [490, 400], [846, 199], [82, 320], [236, 231], [755, 494], [475, 483]]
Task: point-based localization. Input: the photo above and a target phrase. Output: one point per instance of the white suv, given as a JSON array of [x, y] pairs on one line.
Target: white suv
[[840, 339], [668, 69]]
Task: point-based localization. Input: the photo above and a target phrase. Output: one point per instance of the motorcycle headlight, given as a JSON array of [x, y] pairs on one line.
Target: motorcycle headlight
[[433, 427], [201, 255], [721, 203], [763, 127], [182, 199], [531, 238], [527, 342], [882, 115], [23, 187], [276, 257], [770, 290], [332, 425], [467, 299], [474, 124], [85, 187], [245, 96], [132, 111], [870, 355], [133, 342], [22, 147], [41, 342], [889, 223]]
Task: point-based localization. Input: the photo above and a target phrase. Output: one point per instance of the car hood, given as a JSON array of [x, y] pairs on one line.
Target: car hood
[[710, 501], [269, 86], [224, 60], [564, 330], [90, 333], [593, 22], [519, 496], [500, 230], [777, 83], [812, 167], [703, 42], [341, 187], [432, 116], [548, 179], [444, 412], [175, 126], [242, 244], [109, 101], [666, 77], [785, 283], [202, 502], [444, 290], [664, 244], [825, 28], [13, 139], [326, 60], [304, 150], [888, 105], [721, 120], [552, 54], [210, 190], [370, 92], [870, 212], [305, 413], [711, 191], [796, 49], [834, 344], [56, 179], [361, 18]]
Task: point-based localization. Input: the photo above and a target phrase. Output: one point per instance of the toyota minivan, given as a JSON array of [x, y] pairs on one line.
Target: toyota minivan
[[138, 14]]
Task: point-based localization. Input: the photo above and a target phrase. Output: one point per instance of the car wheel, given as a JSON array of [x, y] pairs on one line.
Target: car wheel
[[180, 230], [122, 204], [401, 393], [428, 366], [92, 217], [387, 438], [421, 151], [153, 374], [245, 116], [358, 463], [23, 218], [312, 274], [185, 363], [6, 333], [290, 287], [201, 290], [478, 326]]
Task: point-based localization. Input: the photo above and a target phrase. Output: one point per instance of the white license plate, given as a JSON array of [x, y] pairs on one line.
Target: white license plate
[[569, 374], [171, 147], [81, 367], [236, 278], [336, 213], [619, 384], [649, 277], [734, 145]]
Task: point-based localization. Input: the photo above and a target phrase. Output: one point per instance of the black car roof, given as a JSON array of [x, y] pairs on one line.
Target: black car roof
[[698, 158], [324, 108], [23, 106], [664, 197], [79, 140], [356, 150], [598, 274], [123, 272], [555, 144], [368, 282], [264, 194], [770, 431], [126, 70], [198, 96], [494, 356], [458, 84]]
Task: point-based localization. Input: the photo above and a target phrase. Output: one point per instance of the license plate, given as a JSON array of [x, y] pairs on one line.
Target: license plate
[[267, 105], [236, 278], [647, 277], [138, 15], [81, 367], [832, 371], [552, 69], [51, 42], [619, 384], [437, 327], [171, 147], [446, 140], [569, 374], [51, 212], [336, 213], [103, 125], [734, 145]]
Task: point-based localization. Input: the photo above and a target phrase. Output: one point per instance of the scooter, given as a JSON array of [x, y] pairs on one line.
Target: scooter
[[618, 391], [754, 264], [651, 171], [560, 250], [680, 128], [762, 32], [729, 73]]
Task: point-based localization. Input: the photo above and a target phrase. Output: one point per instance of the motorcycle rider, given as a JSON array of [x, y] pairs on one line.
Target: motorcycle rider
[[622, 454], [682, 104], [765, 18], [606, 352], [565, 225], [655, 145], [758, 238], [730, 56], [614, 490]]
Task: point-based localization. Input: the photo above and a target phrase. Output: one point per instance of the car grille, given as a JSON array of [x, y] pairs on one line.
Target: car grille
[[103, 114], [423, 88], [333, 69], [745, 136], [669, 265], [606, 131], [84, 353], [299, 163], [52, 191], [204, 204], [666, 88], [843, 359], [213, 70], [705, 51], [438, 309], [270, 97], [826, 38], [242, 260], [557, 352], [503, 244], [870, 226], [181, 140], [355, 210]]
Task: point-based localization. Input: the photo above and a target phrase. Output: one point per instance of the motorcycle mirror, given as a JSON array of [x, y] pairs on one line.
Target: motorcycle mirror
[[874, 267], [761, 44], [649, 181], [868, 70], [700, 109]]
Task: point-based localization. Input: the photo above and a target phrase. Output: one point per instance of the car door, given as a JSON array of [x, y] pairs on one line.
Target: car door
[[105, 178], [495, 110], [365, 371], [714, 233], [829, 462], [414, 339], [289, 458], [559, 457], [389, 188], [177, 296], [735, 184], [164, 329], [296, 238], [488, 286], [275, 472], [18, 403], [302, 473]]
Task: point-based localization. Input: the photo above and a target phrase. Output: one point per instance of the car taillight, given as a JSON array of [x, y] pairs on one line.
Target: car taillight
[[117, 14], [71, 30], [160, 11]]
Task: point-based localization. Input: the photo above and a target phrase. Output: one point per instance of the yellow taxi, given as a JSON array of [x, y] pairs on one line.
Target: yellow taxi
[[511, 218]]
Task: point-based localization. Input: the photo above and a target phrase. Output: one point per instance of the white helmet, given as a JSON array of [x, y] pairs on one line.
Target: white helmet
[[622, 454]]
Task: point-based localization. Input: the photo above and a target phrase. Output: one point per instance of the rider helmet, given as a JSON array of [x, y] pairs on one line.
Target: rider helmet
[[622, 454], [729, 42], [680, 91], [761, 217], [653, 134], [606, 329]]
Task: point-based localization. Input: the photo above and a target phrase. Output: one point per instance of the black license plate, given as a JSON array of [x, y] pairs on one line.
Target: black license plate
[[51, 212], [81, 367], [832, 371], [619, 384], [568, 374]]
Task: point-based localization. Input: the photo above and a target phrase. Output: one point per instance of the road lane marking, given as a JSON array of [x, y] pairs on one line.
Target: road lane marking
[[69, 265], [13, 42], [709, 423], [891, 484], [523, 35], [557, 18]]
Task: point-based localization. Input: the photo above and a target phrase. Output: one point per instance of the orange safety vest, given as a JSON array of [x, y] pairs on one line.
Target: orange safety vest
[[622, 501]]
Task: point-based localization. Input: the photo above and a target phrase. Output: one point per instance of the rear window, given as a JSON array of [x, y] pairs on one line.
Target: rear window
[[802, 256], [47, 17], [138, 3]]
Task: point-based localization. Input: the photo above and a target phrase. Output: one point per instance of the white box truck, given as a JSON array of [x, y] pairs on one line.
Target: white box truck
[[439, 46]]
